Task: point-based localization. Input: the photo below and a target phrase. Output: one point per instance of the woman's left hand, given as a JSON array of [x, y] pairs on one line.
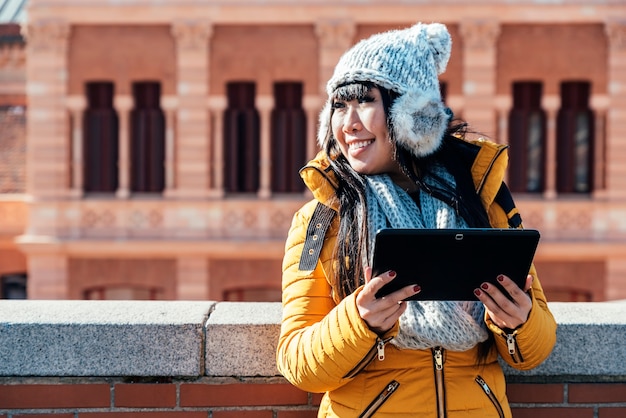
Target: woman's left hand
[[504, 312]]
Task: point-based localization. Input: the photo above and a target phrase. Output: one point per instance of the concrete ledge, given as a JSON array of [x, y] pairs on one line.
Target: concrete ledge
[[102, 338], [194, 339]]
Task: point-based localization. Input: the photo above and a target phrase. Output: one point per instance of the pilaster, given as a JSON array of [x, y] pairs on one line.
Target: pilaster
[[479, 73], [192, 280], [335, 37], [616, 114], [48, 162], [192, 147]]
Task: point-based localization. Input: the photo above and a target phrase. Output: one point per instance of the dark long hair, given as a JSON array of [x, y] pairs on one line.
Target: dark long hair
[[352, 240]]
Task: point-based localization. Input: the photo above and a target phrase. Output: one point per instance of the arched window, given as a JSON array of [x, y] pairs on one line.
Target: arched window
[[13, 286], [100, 139], [288, 138], [241, 139], [527, 139], [147, 139], [575, 139]]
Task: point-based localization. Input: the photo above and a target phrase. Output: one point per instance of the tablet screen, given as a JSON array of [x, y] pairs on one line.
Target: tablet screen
[[448, 264]]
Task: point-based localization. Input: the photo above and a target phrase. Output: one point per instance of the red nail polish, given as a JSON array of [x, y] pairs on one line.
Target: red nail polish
[[501, 278], [416, 288], [477, 292], [392, 274], [485, 286]]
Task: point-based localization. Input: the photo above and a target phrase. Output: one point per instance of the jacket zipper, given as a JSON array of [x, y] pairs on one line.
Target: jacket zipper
[[485, 387], [440, 390], [380, 399], [488, 170], [378, 350], [514, 351]]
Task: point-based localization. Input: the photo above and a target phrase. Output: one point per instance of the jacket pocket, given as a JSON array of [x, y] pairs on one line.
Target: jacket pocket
[[380, 399], [492, 397], [378, 350]]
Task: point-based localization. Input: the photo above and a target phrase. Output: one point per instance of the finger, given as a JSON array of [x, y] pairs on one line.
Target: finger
[[376, 283], [368, 274], [529, 282], [519, 296]]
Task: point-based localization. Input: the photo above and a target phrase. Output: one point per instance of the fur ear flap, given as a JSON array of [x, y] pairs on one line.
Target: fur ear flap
[[324, 125], [419, 122]]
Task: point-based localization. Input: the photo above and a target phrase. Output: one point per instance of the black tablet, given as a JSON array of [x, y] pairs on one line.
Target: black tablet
[[448, 264]]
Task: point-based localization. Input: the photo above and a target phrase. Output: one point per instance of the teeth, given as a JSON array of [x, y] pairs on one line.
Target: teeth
[[359, 144]]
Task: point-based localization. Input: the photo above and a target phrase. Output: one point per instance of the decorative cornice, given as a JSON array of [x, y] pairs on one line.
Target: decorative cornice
[[192, 35], [48, 35], [480, 34], [335, 33], [616, 32]]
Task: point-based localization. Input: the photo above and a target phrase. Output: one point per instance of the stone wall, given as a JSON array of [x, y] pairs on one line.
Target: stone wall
[[210, 359]]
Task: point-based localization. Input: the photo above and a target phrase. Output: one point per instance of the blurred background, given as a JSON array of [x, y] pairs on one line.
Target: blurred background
[[150, 149]]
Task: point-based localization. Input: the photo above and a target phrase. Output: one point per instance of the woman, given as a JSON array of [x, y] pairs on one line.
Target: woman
[[391, 157]]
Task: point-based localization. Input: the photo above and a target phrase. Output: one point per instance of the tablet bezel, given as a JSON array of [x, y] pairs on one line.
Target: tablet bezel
[[448, 264]]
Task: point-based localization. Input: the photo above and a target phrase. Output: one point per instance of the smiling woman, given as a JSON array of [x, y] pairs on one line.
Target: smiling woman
[[392, 158]]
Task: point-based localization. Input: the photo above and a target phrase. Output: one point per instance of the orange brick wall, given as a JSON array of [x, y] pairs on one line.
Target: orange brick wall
[[259, 398]]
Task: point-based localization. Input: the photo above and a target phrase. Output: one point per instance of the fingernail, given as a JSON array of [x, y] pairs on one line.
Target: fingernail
[[392, 273], [500, 278], [485, 286], [477, 292], [416, 288]]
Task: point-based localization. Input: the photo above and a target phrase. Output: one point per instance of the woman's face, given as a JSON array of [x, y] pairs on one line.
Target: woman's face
[[360, 127]]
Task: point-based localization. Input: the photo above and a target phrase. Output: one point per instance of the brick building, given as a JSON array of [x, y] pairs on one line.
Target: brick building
[[151, 151]]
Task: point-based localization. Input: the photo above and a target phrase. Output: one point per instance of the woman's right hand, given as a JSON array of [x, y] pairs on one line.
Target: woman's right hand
[[381, 314]]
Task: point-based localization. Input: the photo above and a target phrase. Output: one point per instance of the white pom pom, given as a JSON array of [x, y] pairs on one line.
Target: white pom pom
[[440, 43]]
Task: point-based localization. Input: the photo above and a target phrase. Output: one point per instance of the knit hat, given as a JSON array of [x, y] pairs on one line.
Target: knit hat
[[408, 62]]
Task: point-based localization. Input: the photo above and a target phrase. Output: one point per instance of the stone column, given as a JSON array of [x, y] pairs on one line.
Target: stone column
[[123, 105], [312, 106], [335, 36], [551, 105], [600, 106], [217, 106], [264, 105], [170, 105], [192, 281], [77, 105], [479, 73], [616, 114], [193, 177], [48, 163]]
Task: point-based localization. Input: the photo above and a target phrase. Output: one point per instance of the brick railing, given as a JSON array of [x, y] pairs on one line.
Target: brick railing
[[216, 360]]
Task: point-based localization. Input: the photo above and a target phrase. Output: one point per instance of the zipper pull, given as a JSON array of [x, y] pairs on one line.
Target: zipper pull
[[510, 343], [437, 353], [483, 384], [380, 346]]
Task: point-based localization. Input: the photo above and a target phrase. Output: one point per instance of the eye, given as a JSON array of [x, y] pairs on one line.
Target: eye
[[338, 105], [367, 99]]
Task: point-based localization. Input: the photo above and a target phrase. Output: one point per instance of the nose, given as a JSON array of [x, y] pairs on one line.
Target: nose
[[352, 120]]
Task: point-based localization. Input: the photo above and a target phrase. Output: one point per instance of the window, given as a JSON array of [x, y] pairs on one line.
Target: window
[[527, 138], [100, 139], [288, 138], [575, 139], [13, 286], [252, 294], [147, 139], [241, 139], [123, 292]]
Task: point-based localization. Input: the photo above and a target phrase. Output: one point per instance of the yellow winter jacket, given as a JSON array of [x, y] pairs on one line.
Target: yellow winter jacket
[[325, 346]]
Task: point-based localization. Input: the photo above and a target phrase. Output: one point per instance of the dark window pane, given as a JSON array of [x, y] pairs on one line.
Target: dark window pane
[[13, 286], [147, 140], [288, 138], [527, 133], [100, 139], [575, 139], [241, 139]]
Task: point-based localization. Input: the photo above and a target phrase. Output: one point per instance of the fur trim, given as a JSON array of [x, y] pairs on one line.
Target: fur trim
[[419, 122], [324, 125]]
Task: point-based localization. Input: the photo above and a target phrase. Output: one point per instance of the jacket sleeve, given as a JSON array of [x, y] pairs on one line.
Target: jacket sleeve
[[534, 340], [320, 341]]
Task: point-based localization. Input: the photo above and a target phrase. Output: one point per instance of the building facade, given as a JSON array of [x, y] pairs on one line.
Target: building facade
[[161, 142]]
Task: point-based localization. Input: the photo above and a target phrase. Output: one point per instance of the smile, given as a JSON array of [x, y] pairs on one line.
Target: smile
[[359, 144]]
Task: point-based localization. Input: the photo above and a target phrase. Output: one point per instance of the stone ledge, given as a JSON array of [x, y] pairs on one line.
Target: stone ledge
[[193, 339]]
